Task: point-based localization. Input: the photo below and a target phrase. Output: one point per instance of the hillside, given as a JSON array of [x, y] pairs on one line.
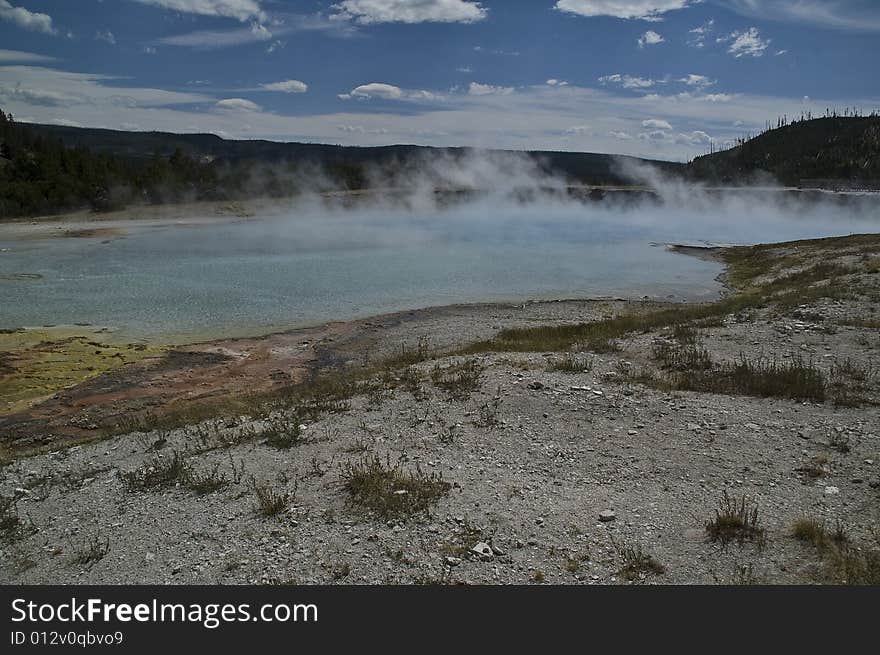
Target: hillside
[[46, 169], [841, 148]]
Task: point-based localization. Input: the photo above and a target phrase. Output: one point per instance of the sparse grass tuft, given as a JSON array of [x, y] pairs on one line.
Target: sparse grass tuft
[[388, 490], [12, 527], [735, 520], [282, 432], [815, 467], [571, 363], [270, 501], [795, 379], [458, 380], [160, 473], [637, 563], [208, 481], [94, 550]]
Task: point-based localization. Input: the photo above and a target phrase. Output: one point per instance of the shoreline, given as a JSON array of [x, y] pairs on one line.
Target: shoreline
[[570, 442]]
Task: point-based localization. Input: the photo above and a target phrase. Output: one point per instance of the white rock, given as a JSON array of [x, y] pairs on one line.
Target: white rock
[[607, 515], [832, 491]]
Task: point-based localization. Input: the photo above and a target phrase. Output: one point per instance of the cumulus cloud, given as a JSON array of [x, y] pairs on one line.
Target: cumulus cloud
[[699, 81], [26, 20], [650, 38], [382, 91], [239, 9], [745, 43], [237, 104], [477, 89], [555, 82], [286, 86], [406, 11], [657, 124], [627, 81], [651, 10]]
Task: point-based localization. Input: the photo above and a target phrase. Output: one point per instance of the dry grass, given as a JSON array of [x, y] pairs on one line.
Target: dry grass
[[460, 380], [735, 521], [388, 490]]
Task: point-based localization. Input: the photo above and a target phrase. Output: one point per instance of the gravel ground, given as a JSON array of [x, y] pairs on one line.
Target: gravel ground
[[554, 477]]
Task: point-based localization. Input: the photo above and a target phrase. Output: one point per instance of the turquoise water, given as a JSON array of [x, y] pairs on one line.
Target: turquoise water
[[278, 272]]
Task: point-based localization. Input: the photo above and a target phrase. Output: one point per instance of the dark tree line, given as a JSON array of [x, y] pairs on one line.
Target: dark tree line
[[40, 175], [841, 145]]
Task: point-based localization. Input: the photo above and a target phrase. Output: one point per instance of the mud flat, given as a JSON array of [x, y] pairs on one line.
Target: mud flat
[[570, 442]]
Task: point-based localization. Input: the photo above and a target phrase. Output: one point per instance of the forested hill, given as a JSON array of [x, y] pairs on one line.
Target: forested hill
[[838, 147], [47, 169]]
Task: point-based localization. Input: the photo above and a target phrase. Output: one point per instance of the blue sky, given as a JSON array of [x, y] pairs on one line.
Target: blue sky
[[656, 78]]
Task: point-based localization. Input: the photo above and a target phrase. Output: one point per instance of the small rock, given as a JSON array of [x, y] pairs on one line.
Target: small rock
[[483, 550], [452, 561], [607, 515], [831, 491]]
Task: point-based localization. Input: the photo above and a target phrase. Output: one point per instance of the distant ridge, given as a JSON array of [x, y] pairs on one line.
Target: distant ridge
[[838, 151]]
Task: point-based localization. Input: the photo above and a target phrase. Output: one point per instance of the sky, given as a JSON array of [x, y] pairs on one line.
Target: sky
[[663, 79]]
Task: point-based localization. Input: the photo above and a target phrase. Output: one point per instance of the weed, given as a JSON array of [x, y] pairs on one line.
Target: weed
[[157, 474], [270, 501], [389, 491], [489, 412], [818, 466], [283, 432], [458, 380], [735, 521], [636, 563], [94, 550], [571, 363], [208, 481], [12, 527], [538, 576]]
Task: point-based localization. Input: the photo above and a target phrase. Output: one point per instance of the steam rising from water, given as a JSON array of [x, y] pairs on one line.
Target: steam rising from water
[[500, 228]]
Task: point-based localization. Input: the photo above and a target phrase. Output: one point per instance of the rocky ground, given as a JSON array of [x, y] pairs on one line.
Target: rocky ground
[[447, 461]]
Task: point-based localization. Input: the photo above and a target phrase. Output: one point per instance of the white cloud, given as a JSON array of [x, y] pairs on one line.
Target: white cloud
[[699, 81], [377, 90], [656, 124], [106, 36], [382, 91], [47, 87], [149, 50], [239, 9], [627, 81], [535, 117], [852, 15], [555, 82], [745, 43], [642, 9], [477, 89], [237, 104], [17, 56], [212, 39], [27, 20], [286, 86], [408, 11], [698, 40], [650, 38], [779, 53]]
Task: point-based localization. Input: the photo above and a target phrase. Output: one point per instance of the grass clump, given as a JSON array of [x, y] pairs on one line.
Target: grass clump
[[159, 473], [388, 490], [283, 432], [270, 501], [735, 521], [571, 363], [845, 563], [460, 380], [637, 563], [794, 380], [207, 481], [12, 527], [94, 550]]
